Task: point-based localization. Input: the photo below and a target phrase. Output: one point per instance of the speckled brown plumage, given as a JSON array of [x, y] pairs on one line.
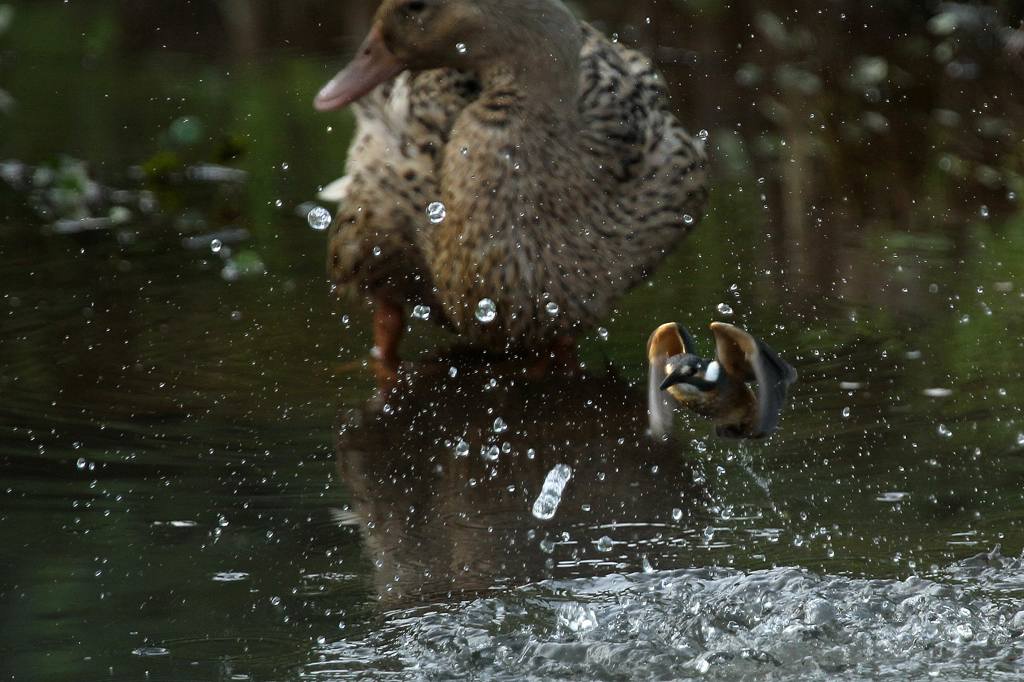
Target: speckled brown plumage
[[547, 203]]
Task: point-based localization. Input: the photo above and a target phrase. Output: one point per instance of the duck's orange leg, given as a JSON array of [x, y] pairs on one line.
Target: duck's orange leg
[[388, 325]]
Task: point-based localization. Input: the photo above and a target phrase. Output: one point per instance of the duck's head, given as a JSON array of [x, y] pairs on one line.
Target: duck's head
[[461, 34]]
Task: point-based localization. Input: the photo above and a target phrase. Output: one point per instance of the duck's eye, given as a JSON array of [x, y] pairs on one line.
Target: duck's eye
[[415, 6]]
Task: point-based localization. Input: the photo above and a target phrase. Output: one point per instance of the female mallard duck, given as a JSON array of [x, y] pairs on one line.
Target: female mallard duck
[[717, 388], [564, 176]]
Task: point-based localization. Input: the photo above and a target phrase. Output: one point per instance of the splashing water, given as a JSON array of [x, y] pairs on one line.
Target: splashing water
[[436, 212], [319, 218], [486, 311], [550, 497], [421, 312], [722, 624], [724, 309]]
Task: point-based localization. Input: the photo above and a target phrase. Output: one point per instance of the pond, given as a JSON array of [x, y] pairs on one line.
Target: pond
[[196, 482]]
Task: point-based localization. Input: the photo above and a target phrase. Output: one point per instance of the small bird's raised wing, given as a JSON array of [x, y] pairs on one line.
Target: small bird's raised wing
[[750, 359], [667, 341]]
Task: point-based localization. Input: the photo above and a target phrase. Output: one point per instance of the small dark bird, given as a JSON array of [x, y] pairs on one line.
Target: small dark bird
[[717, 388]]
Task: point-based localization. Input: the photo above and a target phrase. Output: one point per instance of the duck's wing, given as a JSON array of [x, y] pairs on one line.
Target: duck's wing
[[749, 359], [647, 171], [667, 340]]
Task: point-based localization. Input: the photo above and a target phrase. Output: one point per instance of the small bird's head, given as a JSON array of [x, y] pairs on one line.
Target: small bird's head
[[690, 374]]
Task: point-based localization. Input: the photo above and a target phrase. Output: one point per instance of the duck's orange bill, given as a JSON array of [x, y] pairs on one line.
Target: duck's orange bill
[[373, 65]]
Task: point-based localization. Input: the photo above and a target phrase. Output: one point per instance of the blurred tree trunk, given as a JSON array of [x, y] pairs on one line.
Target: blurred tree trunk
[[242, 24]]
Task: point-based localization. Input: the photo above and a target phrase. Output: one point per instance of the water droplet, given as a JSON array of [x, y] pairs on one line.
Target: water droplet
[[436, 212], [376, 251], [279, 203], [461, 48], [550, 497], [846, 413], [216, 245], [547, 545], [945, 431], [1020, 439], [421, 312], [604, 544], [319, 218], [491, 454], [453, 372], [81, 463], [983, 212], [462, 448], [724, 309], [688, 219], [552, 308], [602, 333], [284, 166], [702, 134], [1011, 195], [275, 601], [500, 426], [486, 311], [531, 453], [938, 392], [677, 514]]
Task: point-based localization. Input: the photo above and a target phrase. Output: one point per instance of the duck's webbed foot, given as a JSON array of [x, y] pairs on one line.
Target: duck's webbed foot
[[388, 324]]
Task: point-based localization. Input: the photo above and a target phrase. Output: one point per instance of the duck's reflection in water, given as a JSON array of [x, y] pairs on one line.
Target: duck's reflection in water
[[443, 482]]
